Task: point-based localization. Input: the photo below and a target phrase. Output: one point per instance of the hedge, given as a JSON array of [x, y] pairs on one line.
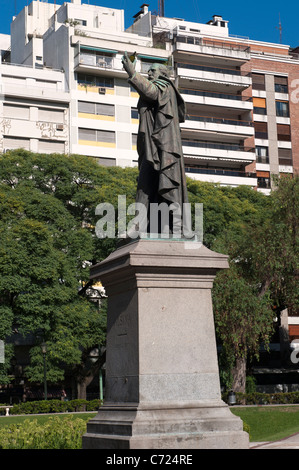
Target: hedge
[[53, 406], [54, 434], [285, 398]]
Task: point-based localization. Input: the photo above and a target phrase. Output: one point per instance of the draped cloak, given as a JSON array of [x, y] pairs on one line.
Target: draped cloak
[[161, 164]]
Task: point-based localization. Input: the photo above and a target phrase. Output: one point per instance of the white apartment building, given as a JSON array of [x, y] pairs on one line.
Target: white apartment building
[[64, 89]]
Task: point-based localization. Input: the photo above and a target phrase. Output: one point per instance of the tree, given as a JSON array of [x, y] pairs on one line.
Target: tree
[[48, 243], [263, 274], [47, 219]]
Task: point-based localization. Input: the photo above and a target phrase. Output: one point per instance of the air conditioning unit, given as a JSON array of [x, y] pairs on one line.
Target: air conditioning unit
[[102, 90], [59, 127]]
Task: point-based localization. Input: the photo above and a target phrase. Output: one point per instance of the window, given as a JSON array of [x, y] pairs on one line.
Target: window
[[258, 81], [96, 58], [51, 146], [106, 136], [262, 154], [282, 108], [281, 84], [81, 22], [263, 182], [15, 111], [285, 157], [261, 130], [94, 135], [16, 143], [134, 141], [88, 134], [96, 108], [51, 115], [105, 109], [86, 108], [134, 113], [283, 132], [259, 106], [146, 64], [95, 80]]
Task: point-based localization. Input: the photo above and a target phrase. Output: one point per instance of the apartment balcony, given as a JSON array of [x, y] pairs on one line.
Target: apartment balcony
[[223, 177], [214, 78], [95, 61], [31, 83], [217, 49], [218, 100], [216, 125], [193, 149]]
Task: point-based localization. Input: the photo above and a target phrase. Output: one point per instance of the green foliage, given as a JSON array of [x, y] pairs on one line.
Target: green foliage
[[263, 256], [56, 433], [54, 406], [242, 317], [258, 398], [48, 242], [224, 207], [246, 428], [47, 215], [250, 384]]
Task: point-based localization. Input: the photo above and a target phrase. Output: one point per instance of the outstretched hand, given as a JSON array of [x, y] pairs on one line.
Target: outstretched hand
[[128, 65]]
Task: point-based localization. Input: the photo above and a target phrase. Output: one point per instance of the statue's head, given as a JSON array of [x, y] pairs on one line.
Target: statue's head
[[158, 70]]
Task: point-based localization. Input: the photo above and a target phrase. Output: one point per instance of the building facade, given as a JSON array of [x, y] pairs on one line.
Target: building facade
[[64, 90]]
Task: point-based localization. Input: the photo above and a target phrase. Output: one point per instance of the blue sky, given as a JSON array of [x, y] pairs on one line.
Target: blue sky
[[256, 19]]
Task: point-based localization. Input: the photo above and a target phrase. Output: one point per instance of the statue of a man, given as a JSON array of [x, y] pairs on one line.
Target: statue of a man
[[161, 164]]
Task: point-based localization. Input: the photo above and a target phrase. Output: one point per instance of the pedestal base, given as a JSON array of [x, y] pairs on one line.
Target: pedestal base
[[175, 426], [162, 377]]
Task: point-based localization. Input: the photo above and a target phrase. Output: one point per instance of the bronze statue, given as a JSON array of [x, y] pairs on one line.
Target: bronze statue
[[161, 164]]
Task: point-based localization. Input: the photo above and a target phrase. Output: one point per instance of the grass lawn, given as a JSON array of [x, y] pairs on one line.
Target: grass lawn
[[42, 418], [269, 423]]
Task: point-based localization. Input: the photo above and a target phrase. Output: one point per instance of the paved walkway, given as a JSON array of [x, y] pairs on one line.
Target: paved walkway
[[291, 442]]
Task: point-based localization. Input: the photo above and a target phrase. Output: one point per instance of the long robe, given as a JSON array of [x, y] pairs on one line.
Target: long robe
[[161, 164]]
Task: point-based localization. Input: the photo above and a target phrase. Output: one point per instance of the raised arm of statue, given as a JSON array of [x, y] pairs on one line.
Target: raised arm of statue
[[146, 89], [144, 86], [129, 66]]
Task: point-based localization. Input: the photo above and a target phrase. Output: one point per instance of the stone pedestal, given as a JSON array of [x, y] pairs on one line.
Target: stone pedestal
[[162, 379]]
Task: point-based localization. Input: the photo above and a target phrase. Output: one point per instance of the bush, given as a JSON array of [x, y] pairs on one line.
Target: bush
[[56, 433], [256, 398], [54, 406], [246, 428]]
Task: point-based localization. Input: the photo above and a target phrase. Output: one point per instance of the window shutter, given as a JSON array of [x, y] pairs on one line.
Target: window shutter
[[106, 136], [16, 112], [86, 107], [50, 146], [259, 102], [87, 134], [105, 109]]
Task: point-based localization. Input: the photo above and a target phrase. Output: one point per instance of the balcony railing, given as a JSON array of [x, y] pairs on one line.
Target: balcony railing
[[216, 146], [222, 70], [220, 172], [215, 120], [96, 60], [224, 96], [206, 42]]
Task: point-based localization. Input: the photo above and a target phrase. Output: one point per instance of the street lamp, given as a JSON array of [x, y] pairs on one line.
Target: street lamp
[[44, 351]]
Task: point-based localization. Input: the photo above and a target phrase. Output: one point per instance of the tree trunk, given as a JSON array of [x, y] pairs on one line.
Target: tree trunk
[[82, 386], [239, 375]]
